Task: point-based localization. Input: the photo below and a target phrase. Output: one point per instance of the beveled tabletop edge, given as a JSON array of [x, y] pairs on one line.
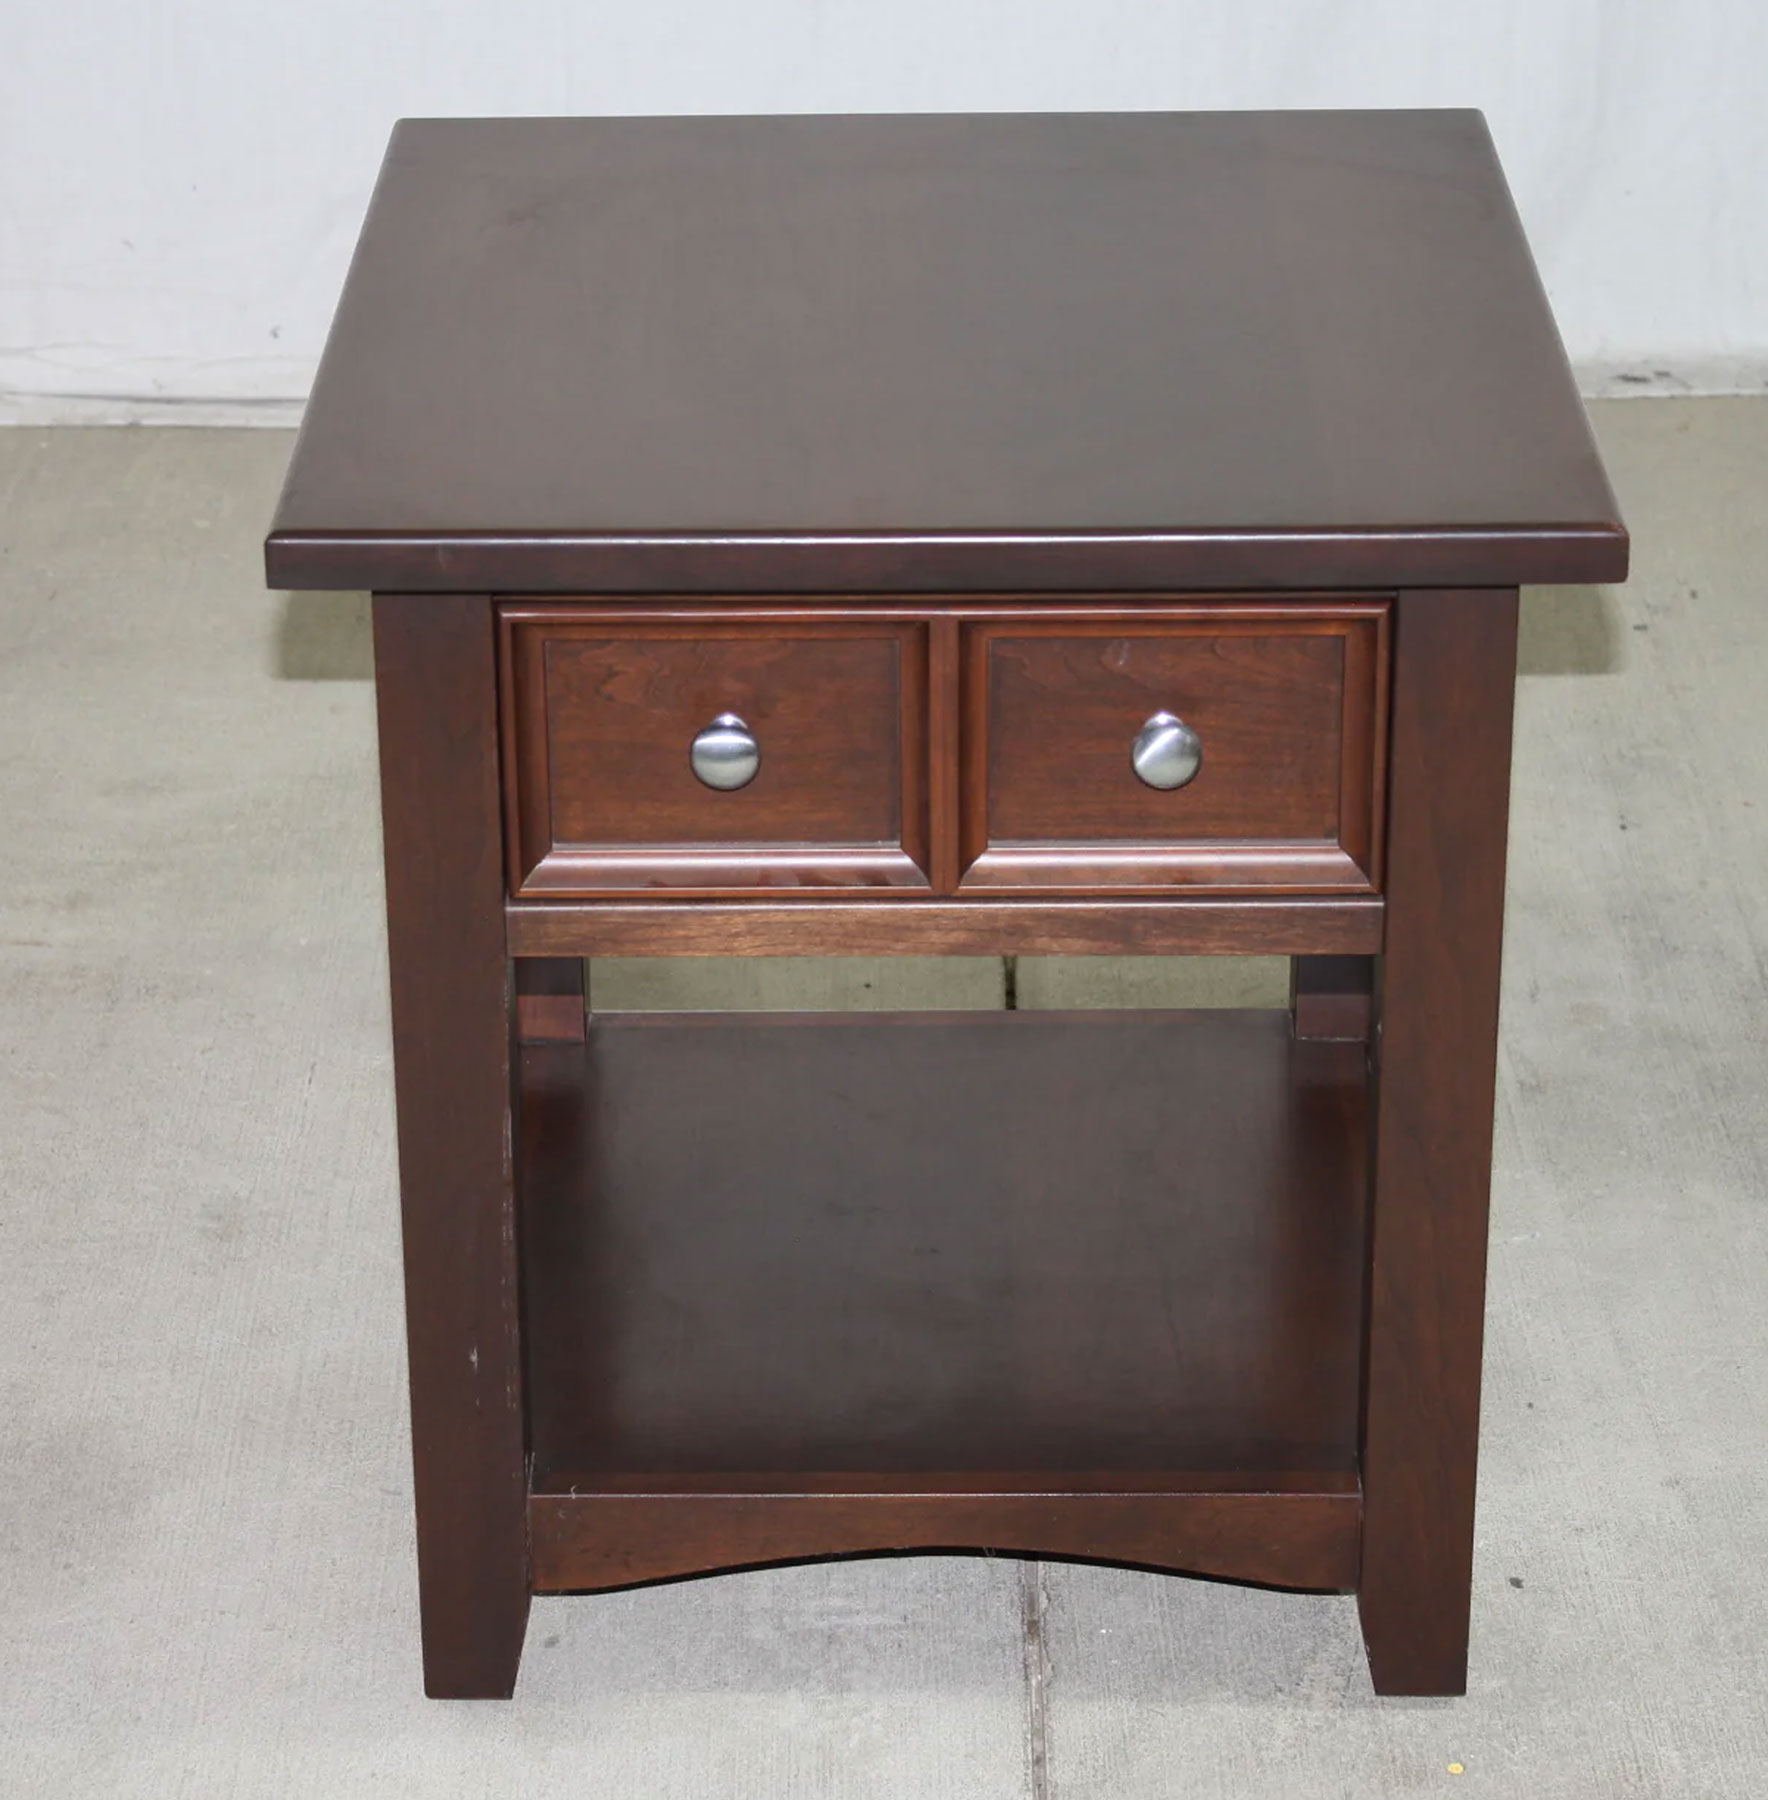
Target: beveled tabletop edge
[[896, 563], [1282, 489]]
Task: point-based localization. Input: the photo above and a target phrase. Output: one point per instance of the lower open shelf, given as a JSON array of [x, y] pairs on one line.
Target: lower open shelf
[[1079, 1284]]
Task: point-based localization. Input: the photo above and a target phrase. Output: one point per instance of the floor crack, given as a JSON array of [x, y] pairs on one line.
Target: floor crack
[[1034, 1604]]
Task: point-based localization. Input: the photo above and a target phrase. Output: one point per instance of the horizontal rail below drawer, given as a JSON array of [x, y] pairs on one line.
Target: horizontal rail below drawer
[[1312, 925]]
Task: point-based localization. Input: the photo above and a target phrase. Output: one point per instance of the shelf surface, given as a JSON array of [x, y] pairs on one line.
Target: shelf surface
[[1079, 1252]]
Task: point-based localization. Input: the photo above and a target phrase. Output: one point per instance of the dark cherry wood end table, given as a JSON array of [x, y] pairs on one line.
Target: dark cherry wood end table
[[1056, 534]]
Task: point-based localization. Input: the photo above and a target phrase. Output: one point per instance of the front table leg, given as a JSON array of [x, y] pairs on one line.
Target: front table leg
[[1453, 689], [435, 682]]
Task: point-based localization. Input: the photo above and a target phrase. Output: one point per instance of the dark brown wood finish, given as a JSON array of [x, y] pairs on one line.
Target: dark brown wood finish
[[943, 450], [944, 750], [1057, 352], [1287, 701], [1297, 1531], [601, 708], [1332, 996], [1351, 925], [550, 1000], [600, 705], [1099, 1279], [1106, 1291], [1454, 678], [435, 679]]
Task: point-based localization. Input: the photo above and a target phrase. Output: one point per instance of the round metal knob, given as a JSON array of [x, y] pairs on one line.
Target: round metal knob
[[1167, 752], [725, 755]]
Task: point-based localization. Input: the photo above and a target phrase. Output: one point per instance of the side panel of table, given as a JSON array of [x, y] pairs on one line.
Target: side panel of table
[[436, 682], [1448, 806]]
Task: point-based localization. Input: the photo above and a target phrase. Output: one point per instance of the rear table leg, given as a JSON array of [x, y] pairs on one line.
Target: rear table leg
[[1332, 996], [549, 1000]]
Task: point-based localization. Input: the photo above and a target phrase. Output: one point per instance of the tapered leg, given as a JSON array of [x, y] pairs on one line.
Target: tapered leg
[[1454, 675], [434, 673]]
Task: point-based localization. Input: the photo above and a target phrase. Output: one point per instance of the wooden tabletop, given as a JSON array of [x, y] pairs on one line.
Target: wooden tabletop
[[925, 353]]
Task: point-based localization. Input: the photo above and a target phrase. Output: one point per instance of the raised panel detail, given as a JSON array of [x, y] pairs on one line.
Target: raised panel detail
[[1287, 703], [602, 707]]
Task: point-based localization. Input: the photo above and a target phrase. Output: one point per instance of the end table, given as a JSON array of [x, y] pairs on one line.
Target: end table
[[1054, 534]]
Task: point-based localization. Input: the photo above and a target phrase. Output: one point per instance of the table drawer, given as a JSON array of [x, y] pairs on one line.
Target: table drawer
[[619, 775], [1280, 712]]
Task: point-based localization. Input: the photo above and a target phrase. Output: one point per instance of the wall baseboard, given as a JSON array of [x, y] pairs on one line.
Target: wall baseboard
[[282, 414], [1646, 377], [1635, 378]]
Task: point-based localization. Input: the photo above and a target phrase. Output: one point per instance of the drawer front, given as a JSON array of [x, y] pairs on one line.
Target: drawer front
[[602, 708], [1283, 708]]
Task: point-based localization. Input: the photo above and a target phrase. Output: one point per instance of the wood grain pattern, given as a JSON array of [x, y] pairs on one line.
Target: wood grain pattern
[[1186, 926], [1057, 352], [1297, 1531], [550, 1000], [1284, 698], [601, 708], [1454, 680], [435, 680], [913, 1244], [944, 750]]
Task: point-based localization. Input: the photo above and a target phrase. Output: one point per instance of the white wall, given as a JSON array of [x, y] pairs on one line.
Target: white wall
[[181, 180]]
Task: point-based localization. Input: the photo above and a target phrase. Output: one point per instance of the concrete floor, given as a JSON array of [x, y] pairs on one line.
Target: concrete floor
[[204, 1505]]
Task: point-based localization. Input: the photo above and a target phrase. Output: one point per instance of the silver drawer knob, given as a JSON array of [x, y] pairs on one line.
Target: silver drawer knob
[[1167, 752], [725, 755]]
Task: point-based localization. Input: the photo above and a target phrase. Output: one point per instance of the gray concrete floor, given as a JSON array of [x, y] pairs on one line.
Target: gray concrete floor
[[204, 1504]]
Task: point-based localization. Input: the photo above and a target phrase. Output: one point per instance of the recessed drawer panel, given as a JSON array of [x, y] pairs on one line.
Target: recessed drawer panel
[[1204, 746], [720, 753]]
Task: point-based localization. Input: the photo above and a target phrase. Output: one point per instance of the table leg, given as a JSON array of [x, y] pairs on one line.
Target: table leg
[[550, 1000], [1331, 996], [435, 679], [1454, 679]]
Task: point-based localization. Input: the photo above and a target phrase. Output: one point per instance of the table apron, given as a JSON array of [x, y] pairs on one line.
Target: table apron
[[1310, 925]]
